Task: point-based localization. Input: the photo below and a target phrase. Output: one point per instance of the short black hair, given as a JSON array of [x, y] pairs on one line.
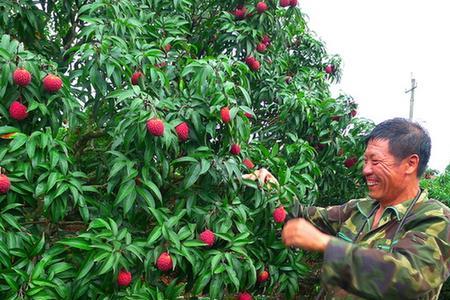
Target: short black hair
[[404, 139]]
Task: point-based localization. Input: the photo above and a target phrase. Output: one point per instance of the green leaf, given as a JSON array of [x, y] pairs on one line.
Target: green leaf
[[137, 251], [54, 157], [75, 243], [19, 140], [60, 267], [116, 168], [184, 159], [38, 248], [61, 189], [52, 180], [38, 269], [153, 188], [201, 282], [11, 220], [233, 277], [31, 147], [193, 243], [124, 191], [192, 176], [147, 196], [11, 206], [215, 261], [246, 96], [11, 281], [99, 223], [43, 282], [205, 165], [129, 201], [154, 235], [121, 95], [252, 273], [89, 263], [107, 265], [216, 287], [8, 129]]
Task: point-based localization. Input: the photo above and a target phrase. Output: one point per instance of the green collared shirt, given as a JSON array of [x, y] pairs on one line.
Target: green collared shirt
[[375, 264]]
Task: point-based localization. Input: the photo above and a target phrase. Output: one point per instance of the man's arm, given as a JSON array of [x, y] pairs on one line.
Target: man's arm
[[328, 219], [418, 264]]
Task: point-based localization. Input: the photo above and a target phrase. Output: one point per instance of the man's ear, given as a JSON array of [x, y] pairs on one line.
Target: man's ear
[[412, 164]]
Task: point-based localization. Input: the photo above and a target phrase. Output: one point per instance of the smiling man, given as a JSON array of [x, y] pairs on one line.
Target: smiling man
[[394, 244]]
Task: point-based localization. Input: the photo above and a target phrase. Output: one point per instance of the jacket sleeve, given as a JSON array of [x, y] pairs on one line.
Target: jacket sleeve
[[418, 264], [328, 219]]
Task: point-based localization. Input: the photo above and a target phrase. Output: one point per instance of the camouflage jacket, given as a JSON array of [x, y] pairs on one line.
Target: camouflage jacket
[[412, 265]]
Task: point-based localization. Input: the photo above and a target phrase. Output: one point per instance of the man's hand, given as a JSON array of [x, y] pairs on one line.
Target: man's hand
[[263, 175], [299, 233]]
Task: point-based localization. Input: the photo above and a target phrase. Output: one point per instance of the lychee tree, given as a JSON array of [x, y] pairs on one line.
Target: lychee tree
[[125, 128]]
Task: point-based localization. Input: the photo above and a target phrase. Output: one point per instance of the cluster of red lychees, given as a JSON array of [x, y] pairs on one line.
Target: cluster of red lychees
[[19, 111], [240, 13], [22, 78]]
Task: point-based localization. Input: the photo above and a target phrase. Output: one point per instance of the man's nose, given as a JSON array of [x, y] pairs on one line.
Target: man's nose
[[367, 169]]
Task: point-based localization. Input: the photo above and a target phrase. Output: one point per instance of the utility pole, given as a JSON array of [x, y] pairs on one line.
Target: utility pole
[[411, 101]]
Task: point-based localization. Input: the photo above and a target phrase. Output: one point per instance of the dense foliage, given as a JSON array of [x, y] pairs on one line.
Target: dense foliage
[[438, 185], [103, 179]]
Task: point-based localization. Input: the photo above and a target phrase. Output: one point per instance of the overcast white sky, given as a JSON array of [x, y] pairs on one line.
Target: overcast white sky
[[381, 43]]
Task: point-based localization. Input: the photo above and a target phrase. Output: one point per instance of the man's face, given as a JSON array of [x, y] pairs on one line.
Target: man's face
[[385, 176]]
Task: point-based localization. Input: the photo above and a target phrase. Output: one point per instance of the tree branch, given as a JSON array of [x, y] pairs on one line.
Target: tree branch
[[82, 142]]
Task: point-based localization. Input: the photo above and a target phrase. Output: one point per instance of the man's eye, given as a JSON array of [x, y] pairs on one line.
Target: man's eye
[[375, 162]]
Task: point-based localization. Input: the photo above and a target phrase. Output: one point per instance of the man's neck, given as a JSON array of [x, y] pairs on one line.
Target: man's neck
[[408, 194]]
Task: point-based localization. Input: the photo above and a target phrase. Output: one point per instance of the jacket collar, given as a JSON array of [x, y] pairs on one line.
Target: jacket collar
[[366, 205]]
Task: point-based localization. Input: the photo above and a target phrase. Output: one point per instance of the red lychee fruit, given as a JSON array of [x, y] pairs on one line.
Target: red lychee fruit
[[261, 7], [225, 114], [161, 64], [248, 115], [261, 48], [248, 163], [135, 78], [240, 13], [293, 3], [353, 113], [244, 296], [155, 127], [284, 3], [263, 276], [329, 69], [164, 262], [182, 131], [266, 40], [252, 63], [5, 184], [52, 83], [336, 118], [319, 146], [124, 278], [279, 214], [249, 60], [235, 149], [255, 66], [18, 111], [350, 162], [21, 77], [168, 47], [208, 237]]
